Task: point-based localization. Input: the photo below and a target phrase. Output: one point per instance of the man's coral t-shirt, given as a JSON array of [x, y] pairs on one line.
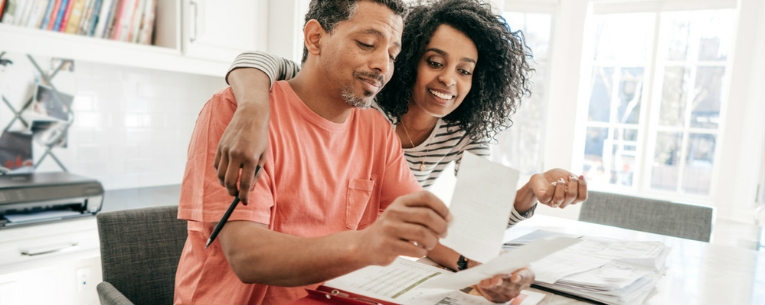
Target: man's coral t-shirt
[[320, 177]]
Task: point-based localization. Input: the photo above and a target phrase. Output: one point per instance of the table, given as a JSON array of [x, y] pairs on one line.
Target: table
[[697, 272]]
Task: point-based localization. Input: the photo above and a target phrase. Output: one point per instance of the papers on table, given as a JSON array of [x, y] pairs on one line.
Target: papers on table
[[605, 270], [480, 205], [506, 263], [410, 282]]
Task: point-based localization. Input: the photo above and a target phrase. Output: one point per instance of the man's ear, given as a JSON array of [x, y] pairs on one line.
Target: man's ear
[[313, 33]]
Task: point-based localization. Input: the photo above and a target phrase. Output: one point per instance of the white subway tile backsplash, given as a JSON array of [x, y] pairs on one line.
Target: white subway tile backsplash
[[132, 126]]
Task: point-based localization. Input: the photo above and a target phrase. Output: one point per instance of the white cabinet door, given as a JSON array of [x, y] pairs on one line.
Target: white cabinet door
[[220, 30]]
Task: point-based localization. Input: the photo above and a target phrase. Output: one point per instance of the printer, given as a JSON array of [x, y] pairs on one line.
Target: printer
[[41, 197]]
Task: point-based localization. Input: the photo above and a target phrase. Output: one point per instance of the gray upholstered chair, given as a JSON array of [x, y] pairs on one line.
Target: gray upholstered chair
[[648, 215], [140, 250]]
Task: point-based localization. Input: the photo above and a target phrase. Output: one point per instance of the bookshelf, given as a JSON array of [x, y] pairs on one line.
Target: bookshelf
[[220, 33]]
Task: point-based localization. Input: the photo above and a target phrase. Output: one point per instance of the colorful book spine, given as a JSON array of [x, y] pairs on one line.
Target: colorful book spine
[[147, 28], [2, 9], [46, 14], [9, 15], [87, 14], [75, 17], [53, 14], [95, 16], [67, 13], [135, 23], [109, 26], [103, 17], [60, 15]]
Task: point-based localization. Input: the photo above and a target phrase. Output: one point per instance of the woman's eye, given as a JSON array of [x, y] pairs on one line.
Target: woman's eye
[[435, 64], [465, 72]]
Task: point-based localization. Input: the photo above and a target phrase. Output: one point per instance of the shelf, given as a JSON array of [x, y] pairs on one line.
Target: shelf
[[54, 44]]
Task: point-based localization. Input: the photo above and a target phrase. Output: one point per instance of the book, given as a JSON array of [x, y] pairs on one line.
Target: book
[[60, 15], [9, 15], [86, 14], [36, 16], [75, 16], [25, 6], [2, 9], [120, 18], [109, 25], [147, 25], [46, 14], [53, 14], [102, 18], [87, 28], [135, 20], [67, 13]]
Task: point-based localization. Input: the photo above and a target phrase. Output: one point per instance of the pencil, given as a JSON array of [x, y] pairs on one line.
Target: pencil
[[226, 215]]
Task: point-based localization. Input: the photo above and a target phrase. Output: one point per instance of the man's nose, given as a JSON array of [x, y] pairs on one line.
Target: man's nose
[[380, 62]]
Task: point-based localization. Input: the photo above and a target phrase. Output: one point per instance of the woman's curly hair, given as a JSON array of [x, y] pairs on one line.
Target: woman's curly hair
[[501, 76]]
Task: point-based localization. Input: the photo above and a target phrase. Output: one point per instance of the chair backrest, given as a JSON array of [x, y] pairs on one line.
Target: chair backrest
[[140, 250], [648, 215]]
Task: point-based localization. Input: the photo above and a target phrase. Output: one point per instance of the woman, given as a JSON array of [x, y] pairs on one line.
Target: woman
[[460, 75]]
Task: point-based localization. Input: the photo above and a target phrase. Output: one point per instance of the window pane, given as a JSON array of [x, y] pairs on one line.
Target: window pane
[[535, 28], [666, 160], [708, 32], [521, 145], [610, 159], [623, 37], [623, 149], [698, 170], [630, 87], [705, 111], [600, 97], [673, 97], [593, 155], [678, 31]]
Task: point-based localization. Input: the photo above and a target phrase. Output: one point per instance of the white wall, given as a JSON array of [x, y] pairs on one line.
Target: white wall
[[132, 126]]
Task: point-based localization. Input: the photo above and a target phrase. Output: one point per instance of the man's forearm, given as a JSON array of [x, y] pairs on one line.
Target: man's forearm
[[259, 255]]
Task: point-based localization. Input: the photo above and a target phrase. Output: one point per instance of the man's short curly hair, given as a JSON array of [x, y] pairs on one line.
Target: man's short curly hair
[[330, 12], [501, 76]]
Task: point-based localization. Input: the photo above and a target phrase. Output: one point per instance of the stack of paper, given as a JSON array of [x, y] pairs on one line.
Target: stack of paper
[[604, 270]]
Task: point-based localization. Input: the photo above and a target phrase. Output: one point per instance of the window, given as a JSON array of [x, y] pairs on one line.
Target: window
[[655, 100], [521, 145]]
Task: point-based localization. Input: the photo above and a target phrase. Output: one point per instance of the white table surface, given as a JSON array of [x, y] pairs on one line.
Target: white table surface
[[697, 272]]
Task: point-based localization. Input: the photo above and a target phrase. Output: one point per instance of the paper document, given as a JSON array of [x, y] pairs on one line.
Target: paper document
[[480, 205], [506, 263], [410, 282]]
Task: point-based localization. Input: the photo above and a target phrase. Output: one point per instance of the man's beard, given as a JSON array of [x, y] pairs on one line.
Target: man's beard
[[356, 101]]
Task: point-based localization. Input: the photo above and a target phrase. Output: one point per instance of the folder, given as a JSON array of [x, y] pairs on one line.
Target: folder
[[329, 295]]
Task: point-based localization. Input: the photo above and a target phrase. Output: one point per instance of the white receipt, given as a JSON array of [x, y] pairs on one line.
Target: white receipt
[[483, 197]]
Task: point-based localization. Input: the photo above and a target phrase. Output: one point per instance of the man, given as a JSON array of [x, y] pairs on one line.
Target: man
[[316, 209]]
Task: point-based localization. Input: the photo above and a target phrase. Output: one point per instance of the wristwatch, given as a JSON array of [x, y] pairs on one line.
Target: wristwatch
[[462, 263]]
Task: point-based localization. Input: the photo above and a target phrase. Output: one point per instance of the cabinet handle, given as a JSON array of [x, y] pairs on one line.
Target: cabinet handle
[[48, 249], [194, 4]]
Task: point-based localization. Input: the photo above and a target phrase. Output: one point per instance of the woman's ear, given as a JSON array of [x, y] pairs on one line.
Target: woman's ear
[[313, 33]]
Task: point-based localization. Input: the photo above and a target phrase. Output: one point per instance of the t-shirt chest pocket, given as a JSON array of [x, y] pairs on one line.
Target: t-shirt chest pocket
[[357, 200]]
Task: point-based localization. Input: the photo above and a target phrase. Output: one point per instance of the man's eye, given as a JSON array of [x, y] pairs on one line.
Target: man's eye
[[364, 45]]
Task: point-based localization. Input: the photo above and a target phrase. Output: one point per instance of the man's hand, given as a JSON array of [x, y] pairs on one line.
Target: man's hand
[[244, 142], [558, 188], [504, 287], [410, 226]]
